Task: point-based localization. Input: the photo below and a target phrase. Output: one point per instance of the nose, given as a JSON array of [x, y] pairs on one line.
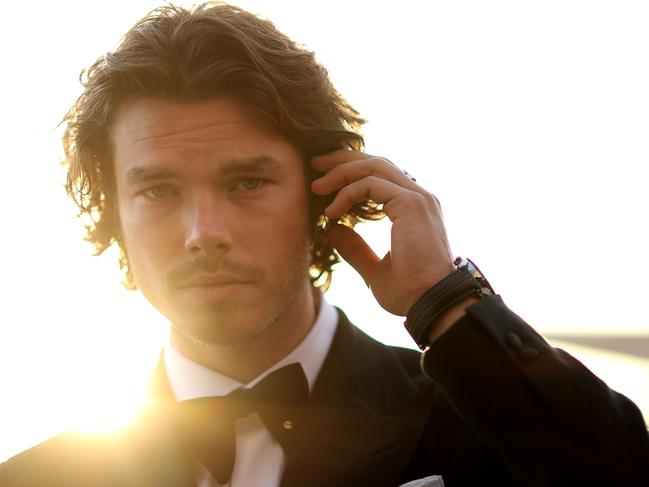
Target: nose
[[207, 227]]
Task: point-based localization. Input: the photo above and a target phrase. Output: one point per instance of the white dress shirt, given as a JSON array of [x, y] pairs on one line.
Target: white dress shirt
[[259, 460]]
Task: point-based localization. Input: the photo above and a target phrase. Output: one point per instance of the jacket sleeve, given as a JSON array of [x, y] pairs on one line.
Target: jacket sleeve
[[552, 421]]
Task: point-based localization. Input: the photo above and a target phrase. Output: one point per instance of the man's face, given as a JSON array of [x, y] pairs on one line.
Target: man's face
[[214, 216]]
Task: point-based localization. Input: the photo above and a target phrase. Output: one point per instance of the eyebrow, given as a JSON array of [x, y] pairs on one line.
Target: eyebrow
[[255, 164], [233, 167]]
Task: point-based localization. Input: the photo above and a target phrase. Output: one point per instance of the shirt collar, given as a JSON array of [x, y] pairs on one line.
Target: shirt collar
[[189, 379]]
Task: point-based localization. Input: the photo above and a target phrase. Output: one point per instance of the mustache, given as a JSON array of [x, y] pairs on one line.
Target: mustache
[[206, 265]]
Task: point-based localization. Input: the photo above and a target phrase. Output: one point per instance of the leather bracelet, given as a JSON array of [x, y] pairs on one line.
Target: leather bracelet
[[438, 299]]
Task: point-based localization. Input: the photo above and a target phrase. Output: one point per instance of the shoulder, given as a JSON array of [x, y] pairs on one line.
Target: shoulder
[[46, 463], [142, 454], [384, 377], [353, 341]]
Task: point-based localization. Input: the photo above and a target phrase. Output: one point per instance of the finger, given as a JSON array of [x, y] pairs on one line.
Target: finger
[[372, 188], [325, 162], [349, 172], [351, 246]]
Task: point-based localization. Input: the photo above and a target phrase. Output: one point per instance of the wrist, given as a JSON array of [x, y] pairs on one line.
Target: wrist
[[445, 303], [449, 318]]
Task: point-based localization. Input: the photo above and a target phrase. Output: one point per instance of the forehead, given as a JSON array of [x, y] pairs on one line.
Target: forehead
[[198, 140], [149, 126]]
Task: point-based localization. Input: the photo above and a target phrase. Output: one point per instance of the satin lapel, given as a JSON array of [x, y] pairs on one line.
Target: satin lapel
[[364, 417]]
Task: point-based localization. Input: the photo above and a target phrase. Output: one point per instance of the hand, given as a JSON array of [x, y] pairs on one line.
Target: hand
[[419, 255]]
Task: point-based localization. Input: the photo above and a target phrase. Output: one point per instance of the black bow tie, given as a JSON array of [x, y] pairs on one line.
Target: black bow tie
[[206, 425]]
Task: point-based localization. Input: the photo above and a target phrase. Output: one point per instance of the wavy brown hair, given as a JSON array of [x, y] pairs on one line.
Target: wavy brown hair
[[195, 54]]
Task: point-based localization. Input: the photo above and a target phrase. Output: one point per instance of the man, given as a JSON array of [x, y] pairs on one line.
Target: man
[[218, 156]]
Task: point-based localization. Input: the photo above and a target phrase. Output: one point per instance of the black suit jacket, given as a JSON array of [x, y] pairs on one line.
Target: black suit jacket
[[495, 406]]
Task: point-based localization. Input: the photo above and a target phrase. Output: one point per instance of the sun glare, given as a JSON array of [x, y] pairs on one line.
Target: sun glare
[[105, 416]]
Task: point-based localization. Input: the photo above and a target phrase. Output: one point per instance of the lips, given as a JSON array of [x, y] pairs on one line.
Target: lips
[[212, 280]]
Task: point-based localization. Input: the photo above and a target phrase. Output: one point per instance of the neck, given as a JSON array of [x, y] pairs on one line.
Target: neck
[[244, 362]]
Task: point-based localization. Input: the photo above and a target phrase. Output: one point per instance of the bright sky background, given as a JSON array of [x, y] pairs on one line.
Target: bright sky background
[[528, 120]]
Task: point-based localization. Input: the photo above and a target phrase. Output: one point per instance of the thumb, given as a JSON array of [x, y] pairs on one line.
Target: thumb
[[351, 246]]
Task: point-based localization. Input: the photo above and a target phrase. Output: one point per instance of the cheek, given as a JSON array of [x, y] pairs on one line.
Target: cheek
[[286, 236], [147, 241]]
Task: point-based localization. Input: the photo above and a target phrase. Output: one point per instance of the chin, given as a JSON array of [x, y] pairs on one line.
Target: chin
[[221, 331]]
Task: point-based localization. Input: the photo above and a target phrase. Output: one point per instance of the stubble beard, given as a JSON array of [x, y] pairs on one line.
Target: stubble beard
[[222, 324]]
